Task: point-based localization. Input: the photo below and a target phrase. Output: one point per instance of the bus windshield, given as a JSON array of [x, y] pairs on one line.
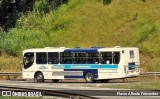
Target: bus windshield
[[28, 60]]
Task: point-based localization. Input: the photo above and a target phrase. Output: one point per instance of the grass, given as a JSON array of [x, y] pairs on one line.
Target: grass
[[137, 86], [88, 23], [10, 63]]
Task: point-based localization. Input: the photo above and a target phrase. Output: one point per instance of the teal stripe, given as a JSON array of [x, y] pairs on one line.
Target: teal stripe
[[86, 66], [109, 66]]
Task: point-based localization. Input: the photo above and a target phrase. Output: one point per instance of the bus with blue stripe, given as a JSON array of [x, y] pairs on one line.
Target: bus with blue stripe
[[91, 64]]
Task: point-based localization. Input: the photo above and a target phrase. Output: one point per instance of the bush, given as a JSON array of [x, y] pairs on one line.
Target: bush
[[106, 2], [18, 40]]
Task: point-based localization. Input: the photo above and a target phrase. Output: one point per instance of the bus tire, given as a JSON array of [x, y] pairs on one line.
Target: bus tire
[[39, 77], [89, 77], [55, 80]]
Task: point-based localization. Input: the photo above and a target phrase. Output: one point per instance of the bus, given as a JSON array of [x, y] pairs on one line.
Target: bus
[[91, 64]]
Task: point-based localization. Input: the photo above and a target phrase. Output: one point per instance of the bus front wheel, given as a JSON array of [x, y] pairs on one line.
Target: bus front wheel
[[89, 77], [39, 77]]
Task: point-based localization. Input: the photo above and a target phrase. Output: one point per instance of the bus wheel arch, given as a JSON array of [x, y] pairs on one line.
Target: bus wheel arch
[[39, 77], [89, 77]]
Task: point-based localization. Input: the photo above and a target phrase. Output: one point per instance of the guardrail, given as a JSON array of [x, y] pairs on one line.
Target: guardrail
[[8, 74], [149, 73], [155, 74]]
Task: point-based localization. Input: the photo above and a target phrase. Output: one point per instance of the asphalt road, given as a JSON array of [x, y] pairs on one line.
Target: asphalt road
[[90, 89]]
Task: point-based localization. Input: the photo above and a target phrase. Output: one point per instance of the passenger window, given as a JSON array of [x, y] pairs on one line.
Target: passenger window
[[92, 58], [41, 58], [79, 58], [106, 58], [131, 54], [66, 58], [28, 60], [116, 57], [53, 58]]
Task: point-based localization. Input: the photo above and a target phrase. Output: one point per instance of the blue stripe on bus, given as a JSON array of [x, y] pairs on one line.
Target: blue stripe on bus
[[85, 66], [93, 71], [81, 50]]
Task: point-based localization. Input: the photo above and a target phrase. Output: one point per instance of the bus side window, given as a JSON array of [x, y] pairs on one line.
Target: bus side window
[[41, 58], [80, 58], [106, 58], [53, 58], [93, 58], [66, 58], [116, 57], [131, 54]]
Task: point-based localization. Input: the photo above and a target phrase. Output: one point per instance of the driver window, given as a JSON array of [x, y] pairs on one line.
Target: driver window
[[28, 60]]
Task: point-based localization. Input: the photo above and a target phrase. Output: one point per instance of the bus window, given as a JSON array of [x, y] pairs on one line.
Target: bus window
[[80, 58], [131, 54], [66, 58], [53, 58], [106, 58], [28, 60], [41, 58], [92, 58], [116, 57]]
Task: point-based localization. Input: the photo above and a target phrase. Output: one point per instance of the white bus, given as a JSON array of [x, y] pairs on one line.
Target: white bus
[[91, 64]]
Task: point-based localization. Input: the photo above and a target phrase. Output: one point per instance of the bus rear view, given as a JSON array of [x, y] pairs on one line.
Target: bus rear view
[[132, 62]]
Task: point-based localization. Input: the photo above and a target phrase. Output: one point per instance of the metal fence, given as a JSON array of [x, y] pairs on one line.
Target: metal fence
[[8, 74], [149, 73]]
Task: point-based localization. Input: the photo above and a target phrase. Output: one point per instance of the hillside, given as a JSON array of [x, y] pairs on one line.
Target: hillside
[[88, 23]]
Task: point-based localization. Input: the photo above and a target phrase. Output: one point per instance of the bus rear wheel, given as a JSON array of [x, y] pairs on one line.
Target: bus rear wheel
[[89, 77], [39, 77]]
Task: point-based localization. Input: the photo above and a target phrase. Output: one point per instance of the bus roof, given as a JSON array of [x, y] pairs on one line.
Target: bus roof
[[82, 50], [63, 49], [45, 50]]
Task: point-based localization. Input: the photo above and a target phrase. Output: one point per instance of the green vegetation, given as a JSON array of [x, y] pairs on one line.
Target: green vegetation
[[10, 63], [138, 86], [11, 10], [88, 23]]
